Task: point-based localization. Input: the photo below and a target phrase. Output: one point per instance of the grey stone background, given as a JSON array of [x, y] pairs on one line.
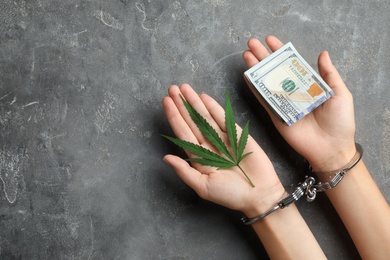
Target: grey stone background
[[81, 83]]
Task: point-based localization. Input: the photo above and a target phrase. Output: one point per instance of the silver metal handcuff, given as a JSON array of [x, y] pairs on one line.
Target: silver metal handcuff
[[309, 188]]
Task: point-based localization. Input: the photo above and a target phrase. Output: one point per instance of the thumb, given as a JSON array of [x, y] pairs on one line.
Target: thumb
[[330, 74], [188, 174]]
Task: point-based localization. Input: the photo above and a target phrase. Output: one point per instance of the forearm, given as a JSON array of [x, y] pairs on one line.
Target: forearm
[[285, 235], [364, 212]]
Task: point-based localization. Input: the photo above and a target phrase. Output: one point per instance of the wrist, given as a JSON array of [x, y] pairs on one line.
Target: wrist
[[336, 159], [261, 205]]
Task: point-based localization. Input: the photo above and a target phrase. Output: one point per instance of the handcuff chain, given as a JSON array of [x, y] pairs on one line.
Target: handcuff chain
[[309, 189], [306, 188]]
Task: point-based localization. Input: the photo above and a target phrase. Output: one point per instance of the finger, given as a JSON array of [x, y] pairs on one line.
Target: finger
[[258, 49], [256, 53], [189, 175], [249, 58], [215, 110], [330, 74], [175, 93], [179, 126], [273, 43], [261, 100], [194, 100]]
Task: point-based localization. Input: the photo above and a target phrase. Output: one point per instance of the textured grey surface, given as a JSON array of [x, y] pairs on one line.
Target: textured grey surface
[[81, 165]]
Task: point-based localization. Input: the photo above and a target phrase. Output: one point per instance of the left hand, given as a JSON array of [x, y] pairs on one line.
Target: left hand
[[227, 187]]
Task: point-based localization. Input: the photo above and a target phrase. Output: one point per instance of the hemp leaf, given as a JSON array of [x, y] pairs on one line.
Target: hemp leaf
[[207, 157]]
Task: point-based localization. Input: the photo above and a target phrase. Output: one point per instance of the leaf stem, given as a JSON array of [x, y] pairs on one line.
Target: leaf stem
[[250, 181]]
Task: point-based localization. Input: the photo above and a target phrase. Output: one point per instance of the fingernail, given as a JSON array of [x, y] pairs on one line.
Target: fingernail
[[165, 160], [327, 53]]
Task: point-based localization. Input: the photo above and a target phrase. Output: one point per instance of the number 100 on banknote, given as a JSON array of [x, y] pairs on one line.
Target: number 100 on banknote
[[290, 86]]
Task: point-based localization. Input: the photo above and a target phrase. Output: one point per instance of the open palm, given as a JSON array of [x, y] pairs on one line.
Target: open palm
[[227, 187], [324, 137]]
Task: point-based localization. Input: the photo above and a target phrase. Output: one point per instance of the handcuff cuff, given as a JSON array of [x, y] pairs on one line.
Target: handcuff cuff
[[309, 187]]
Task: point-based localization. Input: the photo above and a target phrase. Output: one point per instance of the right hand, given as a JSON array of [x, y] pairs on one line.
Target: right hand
[[325, 137]]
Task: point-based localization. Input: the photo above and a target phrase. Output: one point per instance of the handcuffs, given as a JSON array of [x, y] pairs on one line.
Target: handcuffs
[[309, 187]]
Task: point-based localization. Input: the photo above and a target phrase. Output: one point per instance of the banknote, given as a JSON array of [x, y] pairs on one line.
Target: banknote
[[290, 86]]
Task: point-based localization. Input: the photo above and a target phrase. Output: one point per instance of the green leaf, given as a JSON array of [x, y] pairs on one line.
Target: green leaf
[[196, 149], [207, 130], [245, 155], [223, 165], [210, 158], [243, 142], [231, 126]]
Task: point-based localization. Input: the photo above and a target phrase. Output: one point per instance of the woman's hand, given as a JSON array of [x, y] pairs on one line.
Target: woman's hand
[[227, 187], [325, 137]]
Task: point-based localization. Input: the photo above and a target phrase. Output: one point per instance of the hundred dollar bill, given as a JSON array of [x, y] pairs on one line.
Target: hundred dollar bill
[[290, 86]]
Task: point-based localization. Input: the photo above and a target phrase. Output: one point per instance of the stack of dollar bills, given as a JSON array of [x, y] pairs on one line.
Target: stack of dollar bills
[[290, 86]]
